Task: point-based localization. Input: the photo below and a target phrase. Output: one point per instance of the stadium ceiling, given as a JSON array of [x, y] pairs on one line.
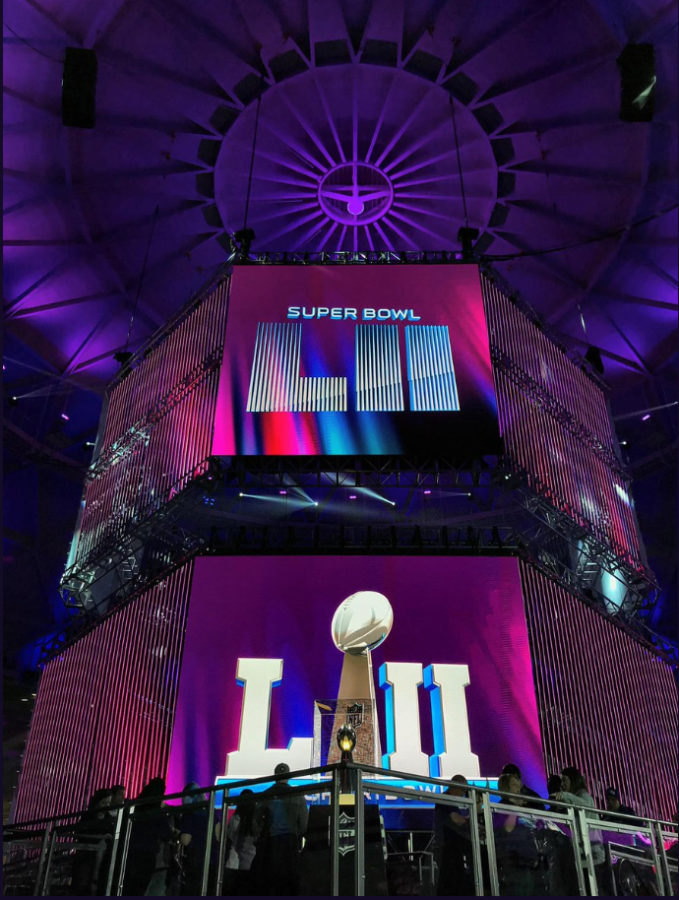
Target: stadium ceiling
[[380, 124]]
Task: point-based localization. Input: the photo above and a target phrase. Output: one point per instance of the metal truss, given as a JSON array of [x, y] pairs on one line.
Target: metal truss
[[343, 471], [147, 553], [503, 517], [351, 257]]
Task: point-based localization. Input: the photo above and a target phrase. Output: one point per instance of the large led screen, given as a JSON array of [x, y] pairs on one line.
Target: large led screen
[[374, 359], [451, 682]]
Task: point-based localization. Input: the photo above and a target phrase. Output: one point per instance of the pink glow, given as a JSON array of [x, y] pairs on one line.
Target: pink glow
[[609, 705], [471, 612], [96, 724]]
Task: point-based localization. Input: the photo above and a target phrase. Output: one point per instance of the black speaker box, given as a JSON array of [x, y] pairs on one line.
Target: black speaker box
[[78, 87]]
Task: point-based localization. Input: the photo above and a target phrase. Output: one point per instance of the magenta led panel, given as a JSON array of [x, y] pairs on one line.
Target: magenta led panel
[[608, 703], [356, 359], [105, 706], [447, 612], [158, 427], [557, 428]]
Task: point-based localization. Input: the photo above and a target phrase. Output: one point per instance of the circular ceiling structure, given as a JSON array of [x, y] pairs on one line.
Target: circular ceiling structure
[[376, 124], [354, 157]]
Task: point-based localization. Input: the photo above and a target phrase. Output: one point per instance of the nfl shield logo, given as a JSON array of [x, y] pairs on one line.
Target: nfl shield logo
[[355, 715]]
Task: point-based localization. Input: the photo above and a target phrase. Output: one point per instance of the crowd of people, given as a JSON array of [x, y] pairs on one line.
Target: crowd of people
[[535, 857], [166, 846]]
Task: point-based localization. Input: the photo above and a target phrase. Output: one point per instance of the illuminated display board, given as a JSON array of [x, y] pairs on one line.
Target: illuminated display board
[[453, 682], [356, 359]]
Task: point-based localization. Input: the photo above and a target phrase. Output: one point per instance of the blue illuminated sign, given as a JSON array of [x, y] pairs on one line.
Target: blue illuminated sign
[[341, 313]]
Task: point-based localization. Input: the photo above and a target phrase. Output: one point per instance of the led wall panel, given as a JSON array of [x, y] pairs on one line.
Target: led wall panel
[[456, 621], [356, 359], [608, 704], [105, 705], [157, 427], [556, 427]]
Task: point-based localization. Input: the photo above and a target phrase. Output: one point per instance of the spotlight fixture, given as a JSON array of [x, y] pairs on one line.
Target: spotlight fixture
[[646, 417], [426, 492], [593, 357], [241, 242], [123, 357], [352, 497], [283, 493]]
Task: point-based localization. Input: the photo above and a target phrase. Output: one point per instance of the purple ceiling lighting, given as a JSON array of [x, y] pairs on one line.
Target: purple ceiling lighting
[[355, 193], [109, 230], [371, 165]]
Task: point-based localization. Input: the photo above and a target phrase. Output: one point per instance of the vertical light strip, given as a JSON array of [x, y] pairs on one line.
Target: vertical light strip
[[612, 702], [256, 368], [578, 480], [379, 384], [275, 382], [431, 374], [124, 488], [95, 721]]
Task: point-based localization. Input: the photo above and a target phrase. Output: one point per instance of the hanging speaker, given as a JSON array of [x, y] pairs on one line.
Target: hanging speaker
[[78, 88], [637, 83], [593, 357]]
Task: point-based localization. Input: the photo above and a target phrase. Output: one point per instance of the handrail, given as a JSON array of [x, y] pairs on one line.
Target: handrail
[[324, 782]]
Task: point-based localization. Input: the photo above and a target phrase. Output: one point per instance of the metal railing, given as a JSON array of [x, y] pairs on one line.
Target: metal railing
[[495, 848]]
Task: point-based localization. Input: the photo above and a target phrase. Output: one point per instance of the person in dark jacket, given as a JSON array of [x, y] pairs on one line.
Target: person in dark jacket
[[613, 805], [149, 852], [517, 852], [533, 799], [243, 832], [94, 834], [192, 824], [285, 818], [453, 844]]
